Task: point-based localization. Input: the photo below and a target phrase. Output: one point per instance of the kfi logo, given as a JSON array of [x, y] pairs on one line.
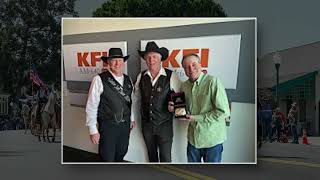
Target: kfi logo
[[94, 58], [204, 57]]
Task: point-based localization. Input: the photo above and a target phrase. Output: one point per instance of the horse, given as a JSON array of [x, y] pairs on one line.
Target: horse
[[48, 117], [15, 115], [34, 112], [57, 109], [25, 114]]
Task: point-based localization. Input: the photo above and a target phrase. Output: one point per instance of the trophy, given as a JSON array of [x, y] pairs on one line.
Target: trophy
[[180, 108]]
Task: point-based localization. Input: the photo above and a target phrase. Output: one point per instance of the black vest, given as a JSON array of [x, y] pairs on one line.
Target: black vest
[[113, 108], [154, 100]]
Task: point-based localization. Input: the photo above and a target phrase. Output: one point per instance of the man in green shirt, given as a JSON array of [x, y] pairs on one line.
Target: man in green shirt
[[208, 107]]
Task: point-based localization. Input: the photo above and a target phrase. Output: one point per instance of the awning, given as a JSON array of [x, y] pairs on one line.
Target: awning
[[288, 85]]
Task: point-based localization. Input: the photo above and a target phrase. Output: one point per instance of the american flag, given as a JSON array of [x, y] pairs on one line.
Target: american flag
[[35, 77]]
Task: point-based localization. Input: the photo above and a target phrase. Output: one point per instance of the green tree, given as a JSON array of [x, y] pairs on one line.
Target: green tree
[[160, 8], [30, 31]]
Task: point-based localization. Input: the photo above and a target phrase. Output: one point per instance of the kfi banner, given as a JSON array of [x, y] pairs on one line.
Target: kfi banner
[[219, 55], [82, 61]]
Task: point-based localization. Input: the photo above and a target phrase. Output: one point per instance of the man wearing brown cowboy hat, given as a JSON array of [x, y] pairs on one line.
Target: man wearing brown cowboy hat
[[152, 90], [109, 104]]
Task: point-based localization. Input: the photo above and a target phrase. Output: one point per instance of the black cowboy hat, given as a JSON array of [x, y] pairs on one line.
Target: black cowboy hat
[[153, 47], [114, 53]]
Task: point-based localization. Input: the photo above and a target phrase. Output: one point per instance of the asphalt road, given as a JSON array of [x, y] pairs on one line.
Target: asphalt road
[[22, 156]]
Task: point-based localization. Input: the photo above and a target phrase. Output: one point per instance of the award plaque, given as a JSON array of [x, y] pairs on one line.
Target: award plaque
[[180, 108]]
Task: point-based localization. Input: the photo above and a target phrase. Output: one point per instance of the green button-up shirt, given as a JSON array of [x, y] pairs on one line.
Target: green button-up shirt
[[207, 100]]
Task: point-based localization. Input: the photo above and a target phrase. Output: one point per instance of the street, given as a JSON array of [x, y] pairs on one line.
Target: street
[[23, 156]]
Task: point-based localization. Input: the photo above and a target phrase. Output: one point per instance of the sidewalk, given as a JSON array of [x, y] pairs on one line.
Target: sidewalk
[[295, 152], [313, 140]]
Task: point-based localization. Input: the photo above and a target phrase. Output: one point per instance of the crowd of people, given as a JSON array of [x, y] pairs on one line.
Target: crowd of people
[[13, 120], [274, 125]]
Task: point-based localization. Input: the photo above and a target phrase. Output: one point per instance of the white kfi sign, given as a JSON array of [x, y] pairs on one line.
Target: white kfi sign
[[82, 61], [219, 55]]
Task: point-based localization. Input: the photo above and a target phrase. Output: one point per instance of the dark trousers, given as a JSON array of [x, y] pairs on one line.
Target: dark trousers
[[278, 128], [294, 134], [158, 138], [114, 142], [266, 129]]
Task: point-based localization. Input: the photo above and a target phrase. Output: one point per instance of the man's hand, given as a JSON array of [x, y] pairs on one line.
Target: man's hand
[[95, 138], [132, 125], [170, 106], [188, 117]]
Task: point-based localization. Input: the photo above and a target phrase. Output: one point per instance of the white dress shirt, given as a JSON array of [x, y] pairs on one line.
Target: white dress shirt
[[96, 89], [175, 84]]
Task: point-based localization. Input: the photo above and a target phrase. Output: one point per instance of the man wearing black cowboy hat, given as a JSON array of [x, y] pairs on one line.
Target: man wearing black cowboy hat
[[152, 90], [109, 105]]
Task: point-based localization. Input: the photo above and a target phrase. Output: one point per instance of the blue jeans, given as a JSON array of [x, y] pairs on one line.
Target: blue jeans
[[212, 154]]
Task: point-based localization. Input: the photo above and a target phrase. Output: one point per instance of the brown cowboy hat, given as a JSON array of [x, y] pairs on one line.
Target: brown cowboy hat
[[153, 47], [114, 53]]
